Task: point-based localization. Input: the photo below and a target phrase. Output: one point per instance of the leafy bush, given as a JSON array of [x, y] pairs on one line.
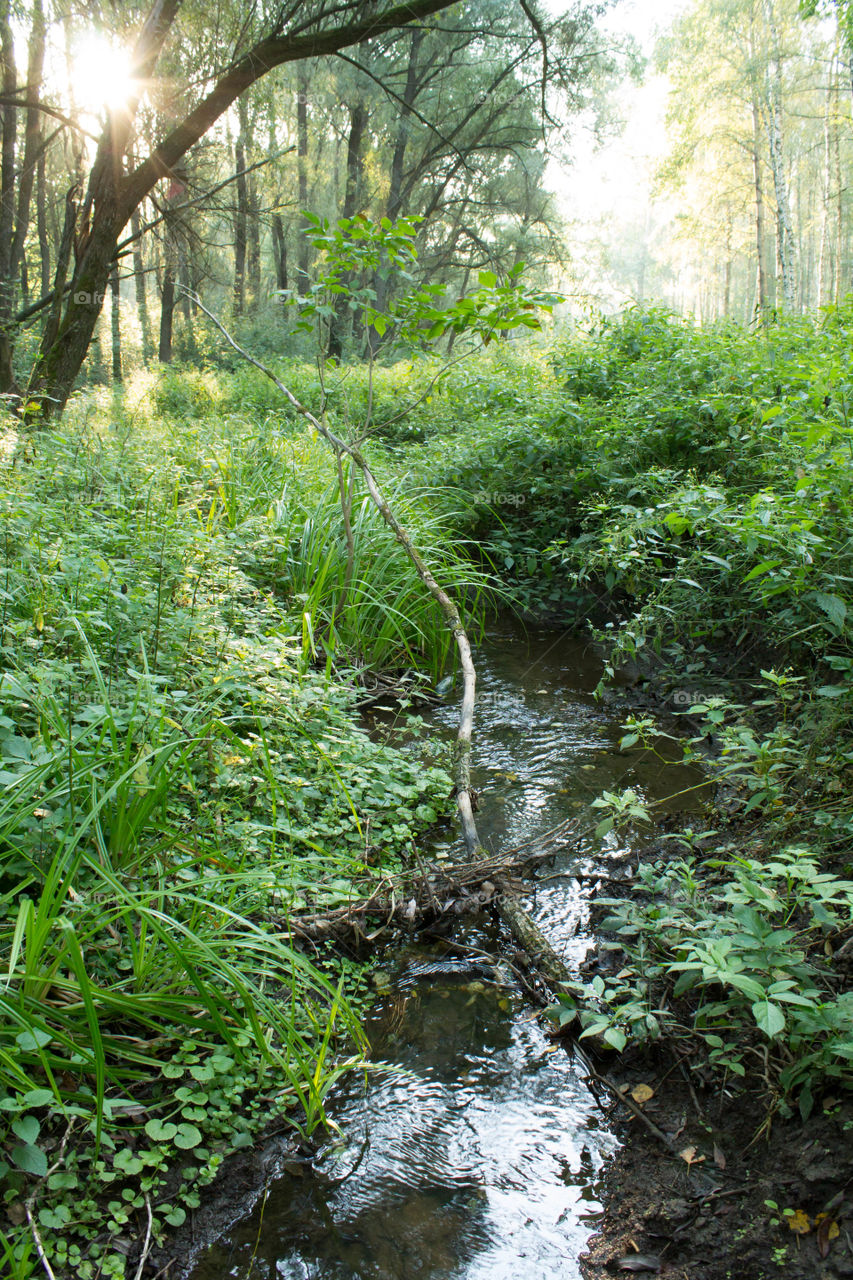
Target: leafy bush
[[746, 945]]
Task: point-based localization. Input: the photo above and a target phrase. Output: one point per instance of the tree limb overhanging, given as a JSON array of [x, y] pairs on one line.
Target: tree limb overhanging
[[462, 755], [543, 956], [112, 195]]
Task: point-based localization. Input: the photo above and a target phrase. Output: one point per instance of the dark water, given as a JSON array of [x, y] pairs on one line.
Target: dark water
[[476, 1154]]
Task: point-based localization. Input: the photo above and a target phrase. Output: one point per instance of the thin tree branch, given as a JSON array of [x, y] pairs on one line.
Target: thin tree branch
[[462, 763], [274, 51]]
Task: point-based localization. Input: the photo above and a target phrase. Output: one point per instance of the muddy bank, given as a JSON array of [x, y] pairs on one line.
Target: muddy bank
[[725, 1203]]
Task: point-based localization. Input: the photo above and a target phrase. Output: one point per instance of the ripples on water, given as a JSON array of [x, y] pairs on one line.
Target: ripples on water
[[475, 1155]]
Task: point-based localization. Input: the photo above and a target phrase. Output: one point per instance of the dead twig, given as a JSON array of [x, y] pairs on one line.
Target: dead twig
[[146, 1244]]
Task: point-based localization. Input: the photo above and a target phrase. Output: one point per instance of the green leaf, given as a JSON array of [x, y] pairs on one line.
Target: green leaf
[[834, 608], [33, 1039], [160, 1131], [38, 1098], [187, 1137], [613, 1036], [769, 1018], [764, 567], [26, 1128], [31, 1159]]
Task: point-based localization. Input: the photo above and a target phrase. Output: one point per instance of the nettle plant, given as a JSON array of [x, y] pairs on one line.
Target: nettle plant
[[732, 965]]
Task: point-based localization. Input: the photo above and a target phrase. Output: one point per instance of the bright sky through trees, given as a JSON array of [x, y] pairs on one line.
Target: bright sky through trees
[[611, 181]]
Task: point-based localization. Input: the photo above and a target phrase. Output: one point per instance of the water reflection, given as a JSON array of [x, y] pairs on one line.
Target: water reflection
[[481, 1157]]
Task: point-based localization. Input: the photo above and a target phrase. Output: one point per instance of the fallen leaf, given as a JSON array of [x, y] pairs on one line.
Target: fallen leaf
[[719, 1157], [640, 1262], [800, 1223], [642, 1093], [827, 1229], [690, 1157], [16, 1213]]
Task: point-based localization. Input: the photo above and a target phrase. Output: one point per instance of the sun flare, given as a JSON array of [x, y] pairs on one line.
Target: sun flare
[[101, 79]]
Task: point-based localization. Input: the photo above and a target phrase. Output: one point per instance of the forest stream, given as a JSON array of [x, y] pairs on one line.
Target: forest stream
[[477, 1149]]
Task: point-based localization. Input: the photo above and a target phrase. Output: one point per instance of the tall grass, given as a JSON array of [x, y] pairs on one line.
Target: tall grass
[[374, 607], [176, 773]]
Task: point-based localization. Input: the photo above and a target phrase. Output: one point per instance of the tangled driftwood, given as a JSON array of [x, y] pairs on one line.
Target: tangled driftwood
[[426, 892]]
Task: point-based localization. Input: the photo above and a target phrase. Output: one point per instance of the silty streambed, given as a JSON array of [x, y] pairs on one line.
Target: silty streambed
[[477, 1154]]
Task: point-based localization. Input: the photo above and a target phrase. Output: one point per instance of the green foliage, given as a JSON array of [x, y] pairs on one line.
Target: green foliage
[[364, 261], [177, 774], [745, 946]]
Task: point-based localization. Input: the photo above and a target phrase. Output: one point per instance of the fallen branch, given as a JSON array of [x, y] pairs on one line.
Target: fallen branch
[[462, 754], [427, 892], [146, 1244]]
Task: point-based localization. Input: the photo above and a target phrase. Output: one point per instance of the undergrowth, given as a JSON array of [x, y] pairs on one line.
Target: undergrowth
[[184, 628], [182, 767]]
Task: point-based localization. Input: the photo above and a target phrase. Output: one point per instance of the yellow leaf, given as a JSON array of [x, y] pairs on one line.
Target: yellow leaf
[[39, 620], [690, 1157], [642, 1093], [800, 1223], [833, 1231]]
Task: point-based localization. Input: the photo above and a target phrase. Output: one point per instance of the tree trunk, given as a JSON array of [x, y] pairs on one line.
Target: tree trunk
[[761, 300], [240, 219], [167, 296], [352, 197], [115, 322], [394, 205], [41, 226], [303, 250], [141, 289], [253, 263], [727, 279], [279, 251], [838, 277], [395, 188], [823, 253], [8, 128], [772, 109], [186, 304]]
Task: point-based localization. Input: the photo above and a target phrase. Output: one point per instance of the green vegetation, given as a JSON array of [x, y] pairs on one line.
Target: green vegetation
[[184, 632], [181, 768], [692, 493]]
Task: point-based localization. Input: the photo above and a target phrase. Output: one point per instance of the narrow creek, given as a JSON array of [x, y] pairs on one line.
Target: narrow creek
[[478, 1151]]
